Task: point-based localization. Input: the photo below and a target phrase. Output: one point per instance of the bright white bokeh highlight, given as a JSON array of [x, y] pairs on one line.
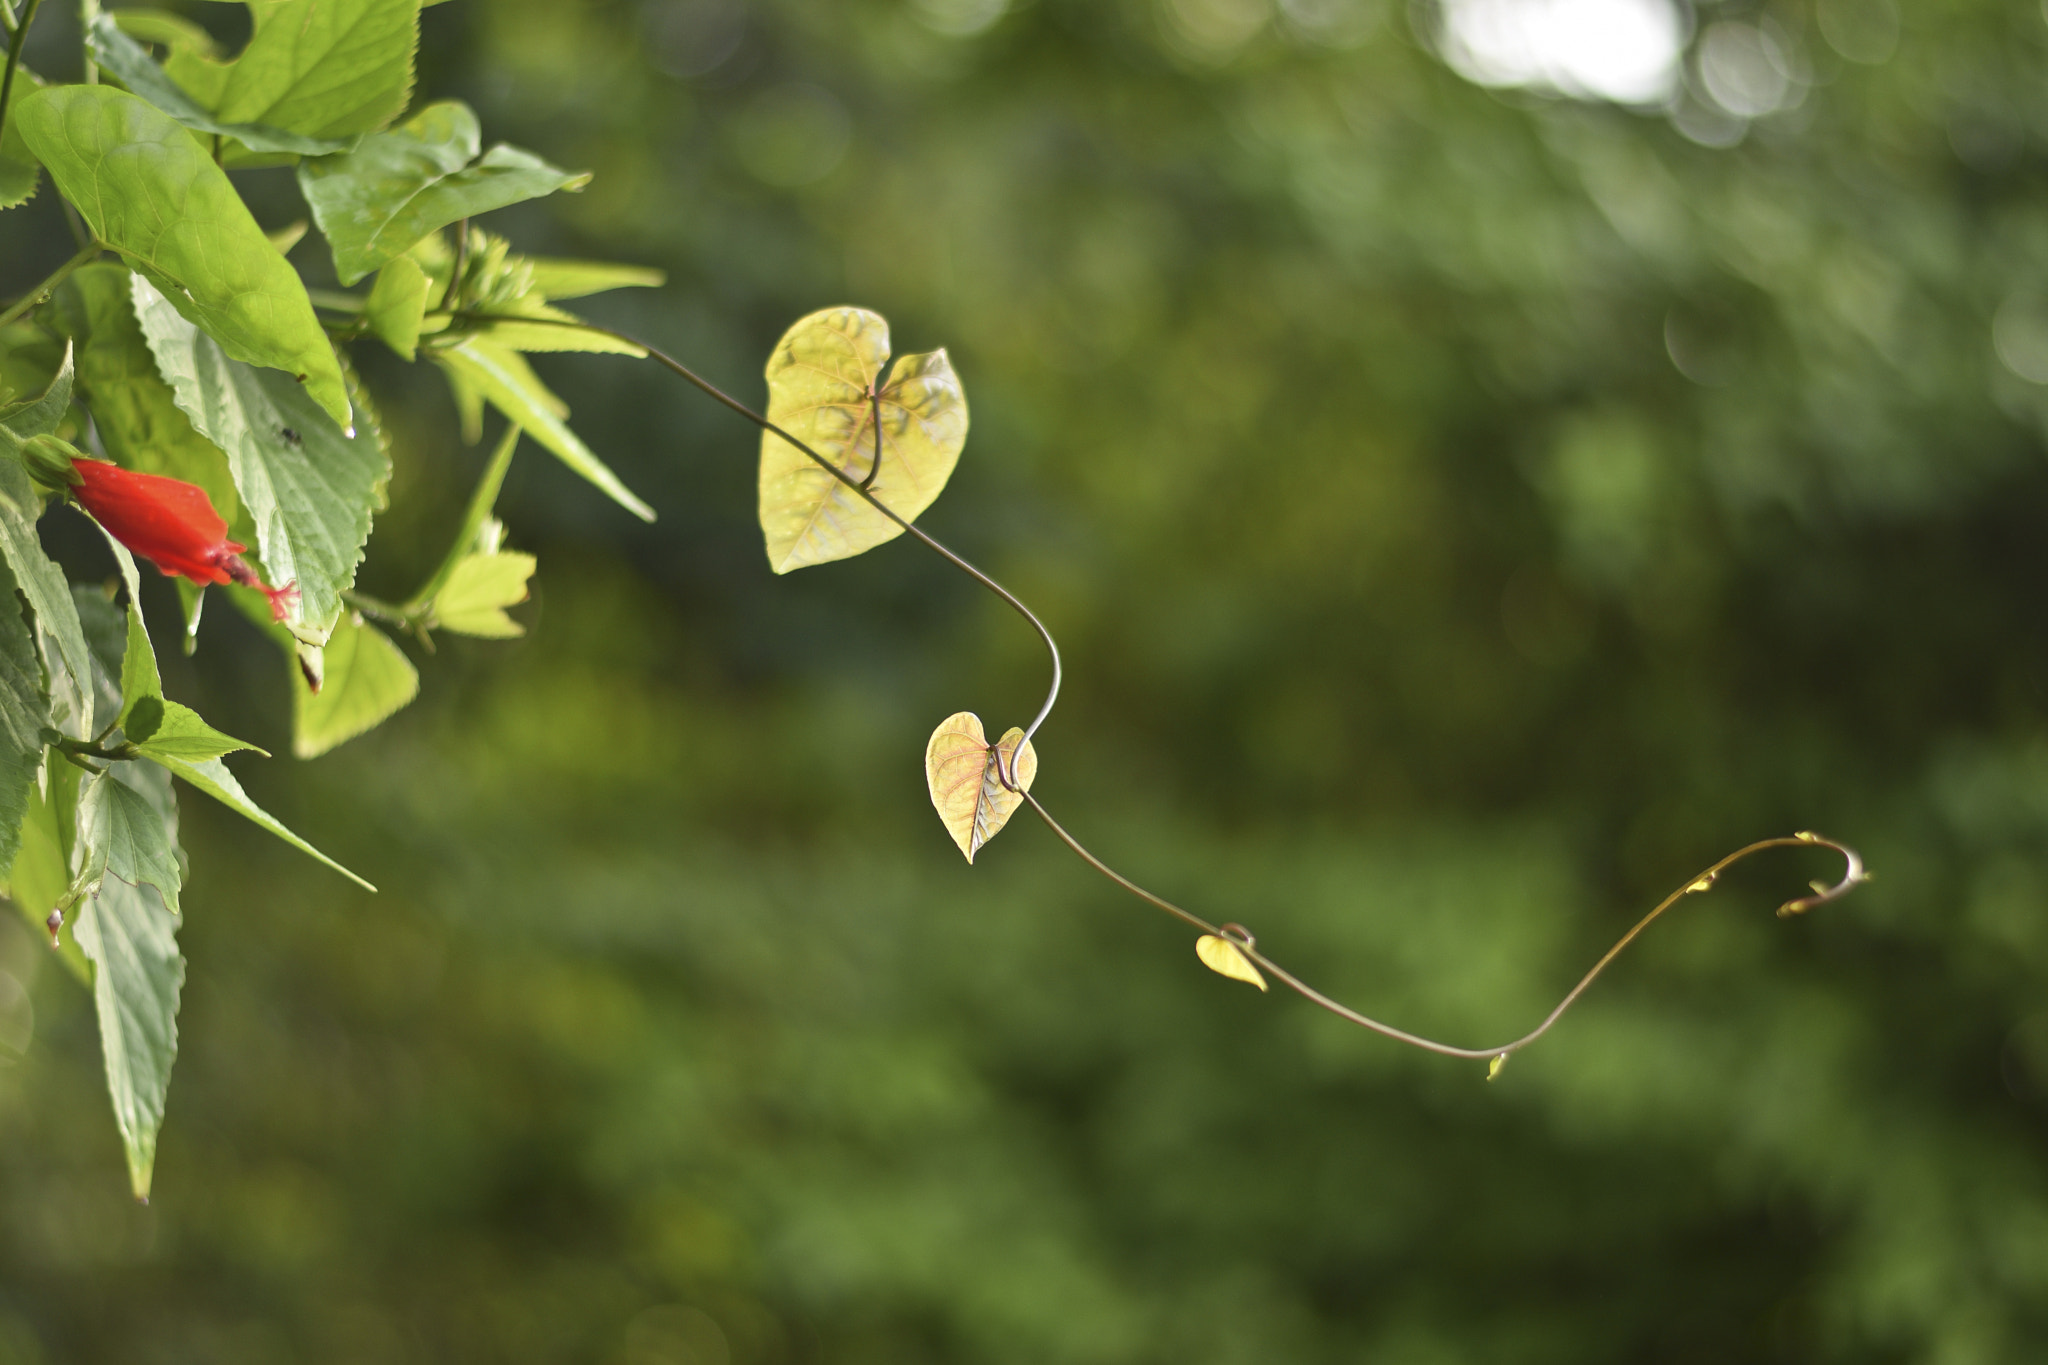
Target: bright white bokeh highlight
[[1628, 51]]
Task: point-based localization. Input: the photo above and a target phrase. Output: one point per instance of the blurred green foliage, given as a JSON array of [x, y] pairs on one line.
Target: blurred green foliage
[[1466, 514]]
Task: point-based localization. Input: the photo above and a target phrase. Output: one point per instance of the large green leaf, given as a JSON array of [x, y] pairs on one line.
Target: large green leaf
[[310, 490], [819, 384], [326, 68], [367, 680], [212, 777], [128, 828], [146, 188], [24, 714], [509, 384], [134, 411], [136, 69], [373, 203], [19, 169], [138, 975], [42, 583]]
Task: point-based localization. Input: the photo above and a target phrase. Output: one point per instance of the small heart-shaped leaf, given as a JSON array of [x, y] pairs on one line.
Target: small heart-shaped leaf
[[967, 783], [1225, 958]]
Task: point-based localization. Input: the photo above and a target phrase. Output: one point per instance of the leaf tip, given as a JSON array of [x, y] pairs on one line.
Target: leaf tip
[[1493, 1067], [1225, 958]]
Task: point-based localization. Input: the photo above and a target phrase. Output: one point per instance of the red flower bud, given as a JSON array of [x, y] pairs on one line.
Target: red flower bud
[[171, 523]]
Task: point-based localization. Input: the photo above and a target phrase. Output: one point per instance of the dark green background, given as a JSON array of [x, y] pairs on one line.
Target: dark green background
[[1419, 611]]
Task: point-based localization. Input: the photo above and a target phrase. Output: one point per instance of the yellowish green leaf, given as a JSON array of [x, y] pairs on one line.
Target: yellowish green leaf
[[397, 304], [965, 776], [821, 382], [1225, 958], [474, 599], [367, 679]]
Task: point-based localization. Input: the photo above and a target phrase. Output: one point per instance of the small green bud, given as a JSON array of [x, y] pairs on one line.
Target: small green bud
[[49, 462]]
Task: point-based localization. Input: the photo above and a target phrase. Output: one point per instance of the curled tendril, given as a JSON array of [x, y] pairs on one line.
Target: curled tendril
[[1853, 874]]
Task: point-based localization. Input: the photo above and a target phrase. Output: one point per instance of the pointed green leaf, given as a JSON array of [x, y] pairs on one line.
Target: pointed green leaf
[[40, 415], [547, 332], [373, 203], [139, 676], [24, 714], [19, 170], [511, 387], [133, 409], [212, 777], [128, 827], [559, 279], [146, 188], [136, 69], [819, 384], [192, 600], [964, 775], [138, 975], [165, 732], [42, 583], [41, 875], [309, 490], [474, 599], [328, 68], [397, 303], [367, 680]]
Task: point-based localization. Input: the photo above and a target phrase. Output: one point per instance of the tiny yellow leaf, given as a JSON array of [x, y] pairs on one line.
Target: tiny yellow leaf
[[1225, 958], [966, 782], [1493, 1067], [1703, 884]]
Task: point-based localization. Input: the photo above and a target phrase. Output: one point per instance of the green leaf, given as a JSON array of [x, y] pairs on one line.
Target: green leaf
[[128, 826], [511, 387], [368, 680], [373, 203], [134, 67], [41, 874], [397, 303], [139, 676], [40, 415], [167, 30], [819, 380], [24, 715], [133, 409], [20, 172], [966, 784], [42, 583], [146, 188], [559, 279], [137, 977], [212, 777], [165, 732], [326, 68], [309, 489], [507, 331], [192, 601], [474, 599]]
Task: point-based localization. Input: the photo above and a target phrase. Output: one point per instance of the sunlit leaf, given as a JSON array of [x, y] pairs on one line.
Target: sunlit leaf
[[1225, 958], [819, 384], [474, 599], [506, 381], [212, 777], [373, 203], [19, 170], [120, 54], [138, 976], [146, 188], [309, 489], [367, 679], [559, 279], [39, 414], [397, 303], [128, 828], [168, 732], [966, 780], [325, 68]]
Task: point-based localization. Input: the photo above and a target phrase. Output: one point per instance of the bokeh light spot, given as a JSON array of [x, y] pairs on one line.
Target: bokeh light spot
[[1622, 50]]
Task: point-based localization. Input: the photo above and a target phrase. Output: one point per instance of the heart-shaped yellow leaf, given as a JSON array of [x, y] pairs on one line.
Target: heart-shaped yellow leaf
[[820, 380], [1225, 958], [966, 783]]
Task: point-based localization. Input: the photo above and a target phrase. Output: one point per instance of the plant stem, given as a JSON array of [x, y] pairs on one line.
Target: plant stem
[[1852, 876], [88, 12], [37, 295], [480, 504], [16, 42], [377, 608], [451, 295]]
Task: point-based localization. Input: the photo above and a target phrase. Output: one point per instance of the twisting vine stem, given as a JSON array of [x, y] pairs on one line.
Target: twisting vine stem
[[1853, 872]]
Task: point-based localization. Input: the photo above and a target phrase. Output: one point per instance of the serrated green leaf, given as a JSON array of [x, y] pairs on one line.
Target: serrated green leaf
[[20, 172], [165, 731], [134, 67], [474, 599], [310, 491], [42, 583], [146, 188], [963, 775], [552, 329], [40, 414], [819, 381], [327, 68], [24, 714], [397, 303], [138, 976], [128, 828], [375, 202], [212, 777], [41, 874], [554, 278], [368, 680], [510, 385], [134, 411]]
